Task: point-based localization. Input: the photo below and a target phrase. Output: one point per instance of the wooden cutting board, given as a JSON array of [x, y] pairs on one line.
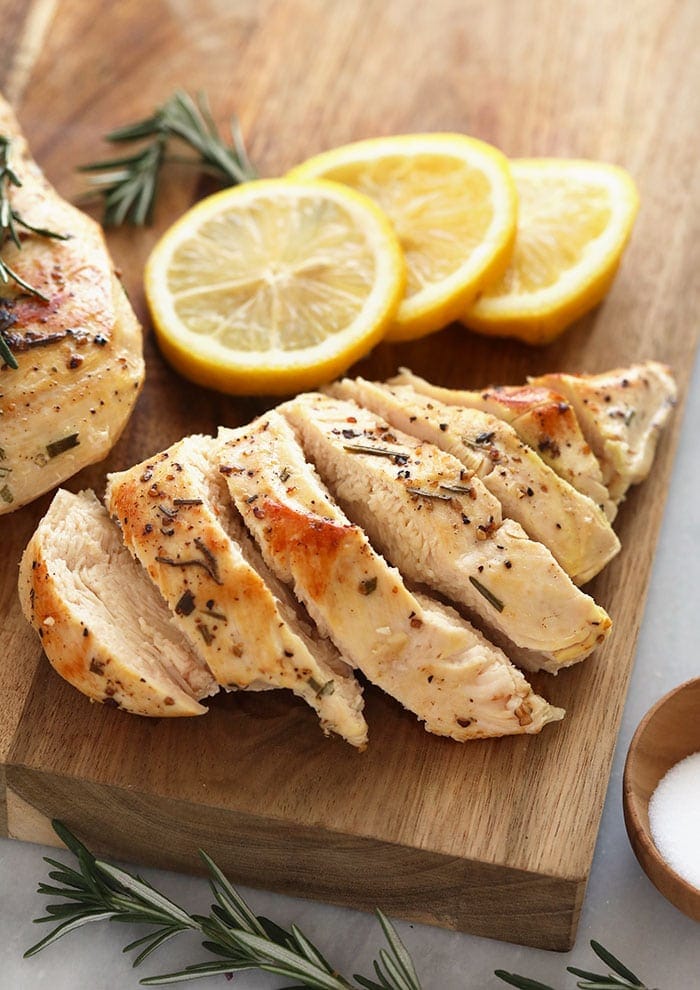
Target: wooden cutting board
[[496, 837]]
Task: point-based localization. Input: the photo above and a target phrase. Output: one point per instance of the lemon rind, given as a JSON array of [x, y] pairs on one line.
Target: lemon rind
[[277, 371]]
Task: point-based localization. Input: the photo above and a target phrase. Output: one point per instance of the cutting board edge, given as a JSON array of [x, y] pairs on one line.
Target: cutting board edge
[[483, 899]]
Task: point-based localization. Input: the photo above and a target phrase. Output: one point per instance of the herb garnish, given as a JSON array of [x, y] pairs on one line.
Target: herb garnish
[[60, 446], [10, 222], [365, 448], [428, 493], [207, 561], [624, 977], [93, 891], [129, 185], [239, 939], [458, 489], [488, 595]]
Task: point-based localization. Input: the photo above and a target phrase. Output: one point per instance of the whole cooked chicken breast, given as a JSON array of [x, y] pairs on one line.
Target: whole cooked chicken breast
[[102, 625], [419, 651], [541, 418], [78, 351], [622, 413], [445, 530], [550, 511], [176, 519]]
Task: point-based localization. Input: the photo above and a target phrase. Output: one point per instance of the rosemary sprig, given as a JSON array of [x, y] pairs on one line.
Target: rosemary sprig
[[129, 184], [621, 978], [10, 223], [238, 938]]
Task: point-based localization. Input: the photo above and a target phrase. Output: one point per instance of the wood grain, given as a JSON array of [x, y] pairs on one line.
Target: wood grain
[[492, 837]]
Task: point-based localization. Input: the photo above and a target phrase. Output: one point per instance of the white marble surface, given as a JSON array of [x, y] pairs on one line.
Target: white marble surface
[[622, 909]]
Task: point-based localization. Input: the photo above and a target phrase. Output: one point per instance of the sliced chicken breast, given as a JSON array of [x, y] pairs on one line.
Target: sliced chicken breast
[[621, 413], [176, 519], [103, 626], [547, 507], [542, 419], [80, 366], [412, 500], [419, 651]]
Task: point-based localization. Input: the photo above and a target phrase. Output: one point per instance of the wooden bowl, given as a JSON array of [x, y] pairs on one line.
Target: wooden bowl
[[668, 733]]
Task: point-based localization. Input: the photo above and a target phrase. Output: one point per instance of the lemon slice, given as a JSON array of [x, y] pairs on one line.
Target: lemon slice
[[575, 218], [453, 204], [274, 286]]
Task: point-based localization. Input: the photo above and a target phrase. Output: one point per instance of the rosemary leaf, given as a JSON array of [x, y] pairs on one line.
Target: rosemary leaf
[[78, 895], [590, 977], [394, 971], [309, 951], [191, 973], [366, 448], [488, 595], [154, 941], [146, 894], [615, 965], [521, 982], [399, 950], [275, 958], [368, 984], [67, 927], [6, 354], [427, 493], [458, 489]]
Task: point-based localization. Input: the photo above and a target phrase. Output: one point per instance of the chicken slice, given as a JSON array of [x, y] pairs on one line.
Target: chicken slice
[[419, 651], [621, 413], [547, 507], [414, 503], [177, 520], [80, 366], [541, 419], [103, 626]]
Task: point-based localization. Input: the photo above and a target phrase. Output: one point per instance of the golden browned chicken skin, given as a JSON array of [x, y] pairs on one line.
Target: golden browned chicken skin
[[78, 350]]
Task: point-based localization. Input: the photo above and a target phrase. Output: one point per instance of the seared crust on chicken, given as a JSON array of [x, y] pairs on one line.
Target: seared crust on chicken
[[440, 526], [176, 518], [541, 418], [103, 626], [622, 413], [79, 352], [420, 652], [547, 507]]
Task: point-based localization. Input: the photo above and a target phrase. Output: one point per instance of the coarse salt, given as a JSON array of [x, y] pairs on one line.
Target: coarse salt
[[674, 818]]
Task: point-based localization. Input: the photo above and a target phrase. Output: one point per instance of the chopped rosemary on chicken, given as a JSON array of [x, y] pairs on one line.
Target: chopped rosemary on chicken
[[427, 493], [367, 448], [488, 595], [11, 224], [60, 446], [128, 185]]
